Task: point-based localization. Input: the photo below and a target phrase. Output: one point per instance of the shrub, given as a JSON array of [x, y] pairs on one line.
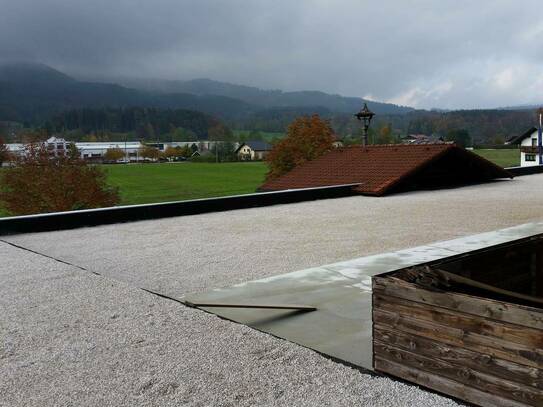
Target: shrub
[[40, 183]]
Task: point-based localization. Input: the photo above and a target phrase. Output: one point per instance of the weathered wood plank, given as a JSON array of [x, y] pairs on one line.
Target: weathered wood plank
[[447, 279], [497, 310], [467, 322], [443, 385], [461, 374], [538, 275], [459, 356], [453, 336]]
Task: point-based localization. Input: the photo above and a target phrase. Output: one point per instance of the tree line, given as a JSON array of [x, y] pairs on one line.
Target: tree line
[[484, 127], [139, 123]]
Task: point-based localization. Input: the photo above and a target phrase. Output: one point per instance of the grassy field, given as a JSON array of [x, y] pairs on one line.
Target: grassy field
[[267, 135], [504, 157], [147, 183]]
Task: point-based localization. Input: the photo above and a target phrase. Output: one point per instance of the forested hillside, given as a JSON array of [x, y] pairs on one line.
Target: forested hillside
[[141, 123], [37, 95], [262, 98], [33, 93]]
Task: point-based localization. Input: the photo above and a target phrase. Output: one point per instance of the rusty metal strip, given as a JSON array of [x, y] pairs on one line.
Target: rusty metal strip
[[295, 307]]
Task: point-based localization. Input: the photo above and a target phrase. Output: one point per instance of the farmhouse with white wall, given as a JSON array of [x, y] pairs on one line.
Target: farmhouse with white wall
[[253, 150], [528, 143]]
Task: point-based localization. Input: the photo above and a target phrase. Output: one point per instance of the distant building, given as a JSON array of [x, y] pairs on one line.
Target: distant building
[[56, 146], [95, 151], [421, 139], [338, 142], [528, 146], [253, 150]]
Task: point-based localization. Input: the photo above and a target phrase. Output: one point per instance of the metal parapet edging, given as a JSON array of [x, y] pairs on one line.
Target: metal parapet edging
[[519, 171], [131, 213]]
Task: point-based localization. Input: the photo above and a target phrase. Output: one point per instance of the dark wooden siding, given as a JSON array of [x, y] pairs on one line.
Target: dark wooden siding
[[480, 350]]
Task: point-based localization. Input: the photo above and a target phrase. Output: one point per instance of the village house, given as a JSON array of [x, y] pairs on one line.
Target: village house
[[56, 146], [253, 150], [529, 147]]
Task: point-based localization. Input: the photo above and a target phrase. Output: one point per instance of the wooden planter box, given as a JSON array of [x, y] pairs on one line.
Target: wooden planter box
[[476, 345]]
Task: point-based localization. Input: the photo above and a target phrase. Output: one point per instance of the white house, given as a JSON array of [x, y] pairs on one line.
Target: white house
[[253, 150], [56, 146], [528, 146]]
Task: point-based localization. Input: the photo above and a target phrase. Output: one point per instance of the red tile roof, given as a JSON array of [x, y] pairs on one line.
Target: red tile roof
[[381, 167]]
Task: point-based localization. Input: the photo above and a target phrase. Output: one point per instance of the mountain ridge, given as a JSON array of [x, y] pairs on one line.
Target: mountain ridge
[[267, 98]]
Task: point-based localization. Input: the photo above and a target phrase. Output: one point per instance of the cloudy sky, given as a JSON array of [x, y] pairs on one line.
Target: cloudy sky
[[435, 53]]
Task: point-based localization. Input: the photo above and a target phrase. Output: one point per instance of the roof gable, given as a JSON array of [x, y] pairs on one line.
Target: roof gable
[[380, 168], [518, 139], [258, 145]]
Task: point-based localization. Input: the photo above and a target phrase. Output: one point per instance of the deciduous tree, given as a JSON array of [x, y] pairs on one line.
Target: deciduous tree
[[73, 151], [40, 183], [460, 137], [187, 151], [114, 154], [308, 137], [149, 152], [384, 136], [173, 152]]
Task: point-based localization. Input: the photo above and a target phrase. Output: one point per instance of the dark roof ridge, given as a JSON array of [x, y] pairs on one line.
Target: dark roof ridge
[[518, 139]]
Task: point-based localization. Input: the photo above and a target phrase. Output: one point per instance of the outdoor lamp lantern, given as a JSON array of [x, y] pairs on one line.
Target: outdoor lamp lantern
[[365, 115]]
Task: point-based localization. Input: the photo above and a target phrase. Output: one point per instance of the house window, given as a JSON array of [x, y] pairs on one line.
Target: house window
[[530, 157], [534, 142]]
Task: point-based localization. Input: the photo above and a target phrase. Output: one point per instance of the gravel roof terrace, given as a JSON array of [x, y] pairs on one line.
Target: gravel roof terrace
[[81, 331]]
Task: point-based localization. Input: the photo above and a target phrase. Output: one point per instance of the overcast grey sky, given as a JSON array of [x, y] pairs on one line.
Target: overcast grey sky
[[439, 53]]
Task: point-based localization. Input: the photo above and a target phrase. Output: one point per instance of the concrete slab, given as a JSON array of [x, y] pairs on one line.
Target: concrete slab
[[341, 327]]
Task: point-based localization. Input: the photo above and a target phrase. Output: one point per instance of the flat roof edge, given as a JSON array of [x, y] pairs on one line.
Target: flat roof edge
[[132, 213]]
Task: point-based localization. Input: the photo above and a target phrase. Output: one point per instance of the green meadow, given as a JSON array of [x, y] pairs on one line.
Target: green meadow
[[147, 183], [502, 157]]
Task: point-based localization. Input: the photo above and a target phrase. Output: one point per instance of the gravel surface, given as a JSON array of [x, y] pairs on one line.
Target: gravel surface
[[73, 338], [190, 254]]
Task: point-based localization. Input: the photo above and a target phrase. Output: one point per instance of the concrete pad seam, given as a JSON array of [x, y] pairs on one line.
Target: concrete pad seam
[[47, 256], [156, 293]]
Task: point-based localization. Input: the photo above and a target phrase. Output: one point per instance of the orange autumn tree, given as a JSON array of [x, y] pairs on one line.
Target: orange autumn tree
[[308, 137], [39, 182]]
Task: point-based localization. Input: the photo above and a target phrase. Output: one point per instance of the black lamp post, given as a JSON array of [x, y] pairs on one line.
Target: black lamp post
[[365, 115]]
